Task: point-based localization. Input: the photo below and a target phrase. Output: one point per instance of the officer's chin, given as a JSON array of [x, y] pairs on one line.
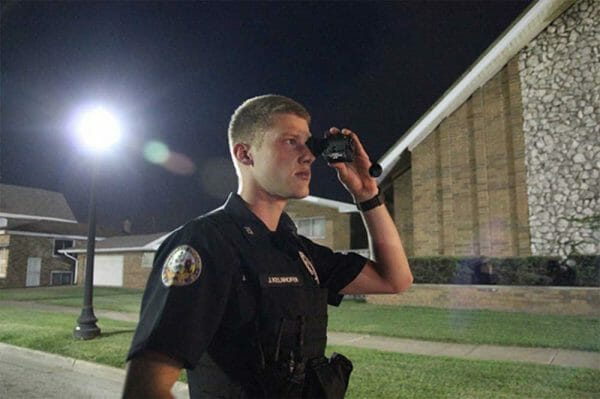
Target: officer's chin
[[300, 194]]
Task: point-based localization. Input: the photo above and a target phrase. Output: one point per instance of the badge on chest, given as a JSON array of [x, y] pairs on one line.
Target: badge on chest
[[309, 266]]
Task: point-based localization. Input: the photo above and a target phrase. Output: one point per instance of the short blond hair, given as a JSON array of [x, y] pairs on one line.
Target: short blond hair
[[253, 117]]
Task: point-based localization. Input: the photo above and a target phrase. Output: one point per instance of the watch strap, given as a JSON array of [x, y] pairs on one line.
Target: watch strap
[[371, 203]]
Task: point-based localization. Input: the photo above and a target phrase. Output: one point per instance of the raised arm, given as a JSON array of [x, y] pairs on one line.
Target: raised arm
[[389, 272], [151, 375]]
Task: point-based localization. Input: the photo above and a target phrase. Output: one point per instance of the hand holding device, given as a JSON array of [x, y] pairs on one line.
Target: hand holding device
[[337, 148]]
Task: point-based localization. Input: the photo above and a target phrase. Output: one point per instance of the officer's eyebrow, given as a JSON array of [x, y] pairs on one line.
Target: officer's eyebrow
[[298, 133]]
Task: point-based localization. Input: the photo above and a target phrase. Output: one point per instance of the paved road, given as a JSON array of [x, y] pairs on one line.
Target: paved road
[[25, 373]]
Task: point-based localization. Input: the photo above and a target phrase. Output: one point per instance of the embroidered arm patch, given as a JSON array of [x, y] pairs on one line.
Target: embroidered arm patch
[[182, 267]]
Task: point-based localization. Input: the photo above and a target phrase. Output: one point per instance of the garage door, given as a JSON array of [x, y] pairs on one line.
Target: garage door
[[108, 270]]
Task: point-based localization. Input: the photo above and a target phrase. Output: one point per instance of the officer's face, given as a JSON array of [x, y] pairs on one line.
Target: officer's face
[[282, 161]]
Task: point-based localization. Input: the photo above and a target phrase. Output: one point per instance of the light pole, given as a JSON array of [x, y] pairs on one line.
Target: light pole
[[98, 130]]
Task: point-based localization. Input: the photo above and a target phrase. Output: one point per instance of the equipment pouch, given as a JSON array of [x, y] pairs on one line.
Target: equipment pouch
[[328, 379]]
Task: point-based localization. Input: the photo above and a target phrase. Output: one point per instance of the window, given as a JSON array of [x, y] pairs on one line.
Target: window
[[147, 259], [311, 227], [62, 244], [3, 262], [61, 278]]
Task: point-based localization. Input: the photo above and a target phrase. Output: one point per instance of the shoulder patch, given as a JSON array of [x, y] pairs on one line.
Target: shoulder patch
[[182, 267]]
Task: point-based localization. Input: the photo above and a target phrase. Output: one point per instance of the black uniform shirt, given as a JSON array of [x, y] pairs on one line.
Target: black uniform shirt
[[193, 289]]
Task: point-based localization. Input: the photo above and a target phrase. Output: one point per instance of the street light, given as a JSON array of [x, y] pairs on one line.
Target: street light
[[98, 130]]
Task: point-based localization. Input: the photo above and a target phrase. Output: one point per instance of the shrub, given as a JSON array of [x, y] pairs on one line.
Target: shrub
[[587, 268], [580, 270]]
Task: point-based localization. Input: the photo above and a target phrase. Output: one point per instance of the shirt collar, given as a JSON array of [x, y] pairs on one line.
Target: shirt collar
[[250, 223]]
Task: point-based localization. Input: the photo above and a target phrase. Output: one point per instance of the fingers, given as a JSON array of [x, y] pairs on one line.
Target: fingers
[[357, 144], [332, 130]]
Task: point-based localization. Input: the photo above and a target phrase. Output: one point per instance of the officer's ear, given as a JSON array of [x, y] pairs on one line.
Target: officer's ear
[[242, 154]]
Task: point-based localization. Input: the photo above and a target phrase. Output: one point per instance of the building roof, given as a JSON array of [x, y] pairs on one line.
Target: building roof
[[144, 242], [342, 207], [47, 228], [34, 204], [524, 29]]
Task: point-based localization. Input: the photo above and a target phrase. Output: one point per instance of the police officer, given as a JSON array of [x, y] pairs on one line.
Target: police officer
[[237, 297]]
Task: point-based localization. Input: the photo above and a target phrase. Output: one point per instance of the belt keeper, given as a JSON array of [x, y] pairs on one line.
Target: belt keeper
[[371, 203]]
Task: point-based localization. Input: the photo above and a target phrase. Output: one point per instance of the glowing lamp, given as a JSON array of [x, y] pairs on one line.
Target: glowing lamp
[[98, 129]]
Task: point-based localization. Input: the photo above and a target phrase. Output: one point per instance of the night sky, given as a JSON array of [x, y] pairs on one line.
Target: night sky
[[174, 72]]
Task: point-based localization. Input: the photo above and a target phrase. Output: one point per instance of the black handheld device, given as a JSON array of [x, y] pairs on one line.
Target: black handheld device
[[337, 148]]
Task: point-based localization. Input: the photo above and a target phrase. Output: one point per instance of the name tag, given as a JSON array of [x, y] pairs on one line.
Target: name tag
[[280, 280]]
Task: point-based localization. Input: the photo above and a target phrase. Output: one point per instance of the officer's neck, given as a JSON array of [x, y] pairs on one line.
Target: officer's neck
[[266, 207]]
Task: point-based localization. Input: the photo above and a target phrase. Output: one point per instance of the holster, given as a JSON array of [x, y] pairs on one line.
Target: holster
[[328, 378]]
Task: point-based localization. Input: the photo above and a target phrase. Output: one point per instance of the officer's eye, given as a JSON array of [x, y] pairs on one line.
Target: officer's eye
[[291, 141]]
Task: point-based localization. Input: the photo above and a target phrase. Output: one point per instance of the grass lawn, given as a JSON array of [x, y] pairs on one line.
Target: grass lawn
[[116, 299], [461, 326], [468, 326], [391, 375], [53, 333], [377, 374]]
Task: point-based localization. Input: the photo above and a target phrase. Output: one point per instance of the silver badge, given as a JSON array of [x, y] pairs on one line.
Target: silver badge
[[309, 266]]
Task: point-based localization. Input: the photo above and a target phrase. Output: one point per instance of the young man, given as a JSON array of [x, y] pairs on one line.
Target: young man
[[237, 297]]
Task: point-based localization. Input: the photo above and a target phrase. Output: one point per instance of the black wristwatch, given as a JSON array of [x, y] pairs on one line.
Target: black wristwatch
[[369, 204]]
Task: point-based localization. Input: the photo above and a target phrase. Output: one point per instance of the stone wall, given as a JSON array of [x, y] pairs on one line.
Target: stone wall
[[543, 300], [560, 84]]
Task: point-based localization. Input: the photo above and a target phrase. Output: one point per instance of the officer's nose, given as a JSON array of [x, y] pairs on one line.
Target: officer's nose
[[307, 156], [307, 151]]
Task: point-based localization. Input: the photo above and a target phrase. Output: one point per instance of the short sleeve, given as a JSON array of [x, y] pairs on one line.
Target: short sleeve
[[180, 319], [335, 269]]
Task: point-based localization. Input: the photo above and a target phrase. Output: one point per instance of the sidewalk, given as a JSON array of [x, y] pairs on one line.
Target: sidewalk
[[25, 373], [548, 356]]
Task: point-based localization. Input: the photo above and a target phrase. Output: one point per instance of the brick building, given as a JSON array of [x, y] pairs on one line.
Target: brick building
[[334, 224], [120, 261], [505, 163], [126, 261], [34, 225]]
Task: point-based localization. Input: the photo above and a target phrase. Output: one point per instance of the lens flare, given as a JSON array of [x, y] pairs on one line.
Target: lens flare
[[156, 152], [179, 164], [159, 153]]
